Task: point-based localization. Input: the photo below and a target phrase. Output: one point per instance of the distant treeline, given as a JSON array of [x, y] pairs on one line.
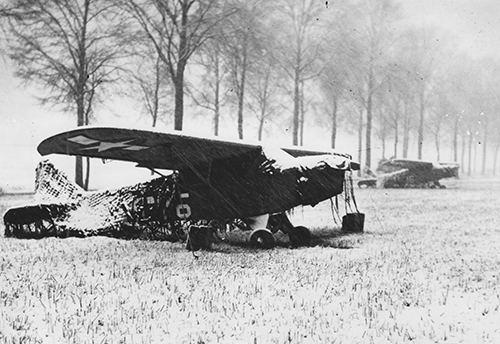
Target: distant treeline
[[354, 65]]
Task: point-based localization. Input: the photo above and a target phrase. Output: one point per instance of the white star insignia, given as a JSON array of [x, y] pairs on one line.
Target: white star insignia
[[82, 140], [105, 145]]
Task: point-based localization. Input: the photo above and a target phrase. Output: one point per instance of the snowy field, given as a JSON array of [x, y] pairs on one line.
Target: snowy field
[[426, 270]]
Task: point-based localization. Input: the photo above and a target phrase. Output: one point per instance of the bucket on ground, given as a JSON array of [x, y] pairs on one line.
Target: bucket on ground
[[353, 222]]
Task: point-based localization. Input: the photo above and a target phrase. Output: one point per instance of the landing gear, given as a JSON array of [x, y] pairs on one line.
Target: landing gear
[[299, 236], [262, 238]]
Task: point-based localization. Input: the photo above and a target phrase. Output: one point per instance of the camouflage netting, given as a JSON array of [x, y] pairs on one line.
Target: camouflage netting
[[64, 209], [145, 210]]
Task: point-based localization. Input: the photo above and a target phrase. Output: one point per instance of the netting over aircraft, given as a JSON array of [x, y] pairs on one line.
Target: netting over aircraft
[[64, 209], [149, 210]]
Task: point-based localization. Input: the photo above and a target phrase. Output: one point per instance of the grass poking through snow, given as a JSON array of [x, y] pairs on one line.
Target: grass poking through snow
[[426, 270]]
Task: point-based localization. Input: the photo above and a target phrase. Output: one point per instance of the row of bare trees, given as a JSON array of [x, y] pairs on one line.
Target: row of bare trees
[[353, 66]]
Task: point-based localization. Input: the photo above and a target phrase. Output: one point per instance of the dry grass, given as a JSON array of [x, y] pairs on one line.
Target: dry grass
[[425, 271]]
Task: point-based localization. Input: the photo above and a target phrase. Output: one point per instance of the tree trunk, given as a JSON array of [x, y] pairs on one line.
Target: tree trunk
[[241, 90], [368, 138], [455, 140], [436, 141], [181, 66], [80, 88], [421, 124], [396, 137], [78, 159], [495, 157], [469, 169], [241, 86], [334, 122], [406, 130], [485, 138], [87, 174], [155, 117], [369, 117], [156, 93], [474, 160], [87, 159], [179, 98], [302, 114], [296, 105], [360, 138], [261, 128], [216, 117], [382, 139], [462, 157], [217, 96]]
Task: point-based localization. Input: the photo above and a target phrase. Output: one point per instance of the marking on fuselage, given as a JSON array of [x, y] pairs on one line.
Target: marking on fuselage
[[183, 211]]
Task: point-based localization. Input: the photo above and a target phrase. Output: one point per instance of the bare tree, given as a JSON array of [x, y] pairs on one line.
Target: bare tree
[[298, 48], [334, 78], [242, 49], [390, 109], [383, 129], [375, 20], [176, 29], [209, 93], [426, 52], [71, 49], [264, 84], [149, 81], [489, 83], [435, 120]]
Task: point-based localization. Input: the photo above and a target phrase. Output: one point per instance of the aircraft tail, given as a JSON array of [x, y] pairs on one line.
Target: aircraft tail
[[65, 209], [52, 185]]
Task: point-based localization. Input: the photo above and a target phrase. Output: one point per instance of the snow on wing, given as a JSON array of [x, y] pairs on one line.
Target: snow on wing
[[412, 164], [148, 148]]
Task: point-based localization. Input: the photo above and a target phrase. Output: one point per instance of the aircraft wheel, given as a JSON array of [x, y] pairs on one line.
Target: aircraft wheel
[[262, 238], [300, 236]]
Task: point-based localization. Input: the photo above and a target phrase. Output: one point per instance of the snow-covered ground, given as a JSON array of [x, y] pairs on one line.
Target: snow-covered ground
[[424, 271]]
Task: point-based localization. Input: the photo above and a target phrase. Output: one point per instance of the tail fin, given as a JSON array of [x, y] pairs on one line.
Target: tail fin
[[52, 185]]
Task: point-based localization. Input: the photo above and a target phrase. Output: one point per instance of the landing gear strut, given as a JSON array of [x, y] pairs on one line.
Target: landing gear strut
[[264, 237], [299, 236]]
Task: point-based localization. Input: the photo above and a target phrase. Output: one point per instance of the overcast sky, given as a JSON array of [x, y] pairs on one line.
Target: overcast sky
[[476, 23]]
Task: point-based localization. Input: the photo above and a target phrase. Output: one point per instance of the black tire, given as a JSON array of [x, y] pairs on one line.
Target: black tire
[[262, 238], [300, 236]]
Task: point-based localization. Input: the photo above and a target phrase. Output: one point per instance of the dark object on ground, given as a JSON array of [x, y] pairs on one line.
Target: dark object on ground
[[367, 183], [29, 222], [201, 238], [300, 236], [353, 222], [34, 222]]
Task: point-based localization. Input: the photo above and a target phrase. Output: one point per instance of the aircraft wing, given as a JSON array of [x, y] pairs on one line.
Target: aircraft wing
[[302, 152], [220, 177], [412, 164], [150, 149]]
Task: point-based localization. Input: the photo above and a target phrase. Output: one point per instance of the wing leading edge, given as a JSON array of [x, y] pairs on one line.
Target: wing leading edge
[[152, 149]]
